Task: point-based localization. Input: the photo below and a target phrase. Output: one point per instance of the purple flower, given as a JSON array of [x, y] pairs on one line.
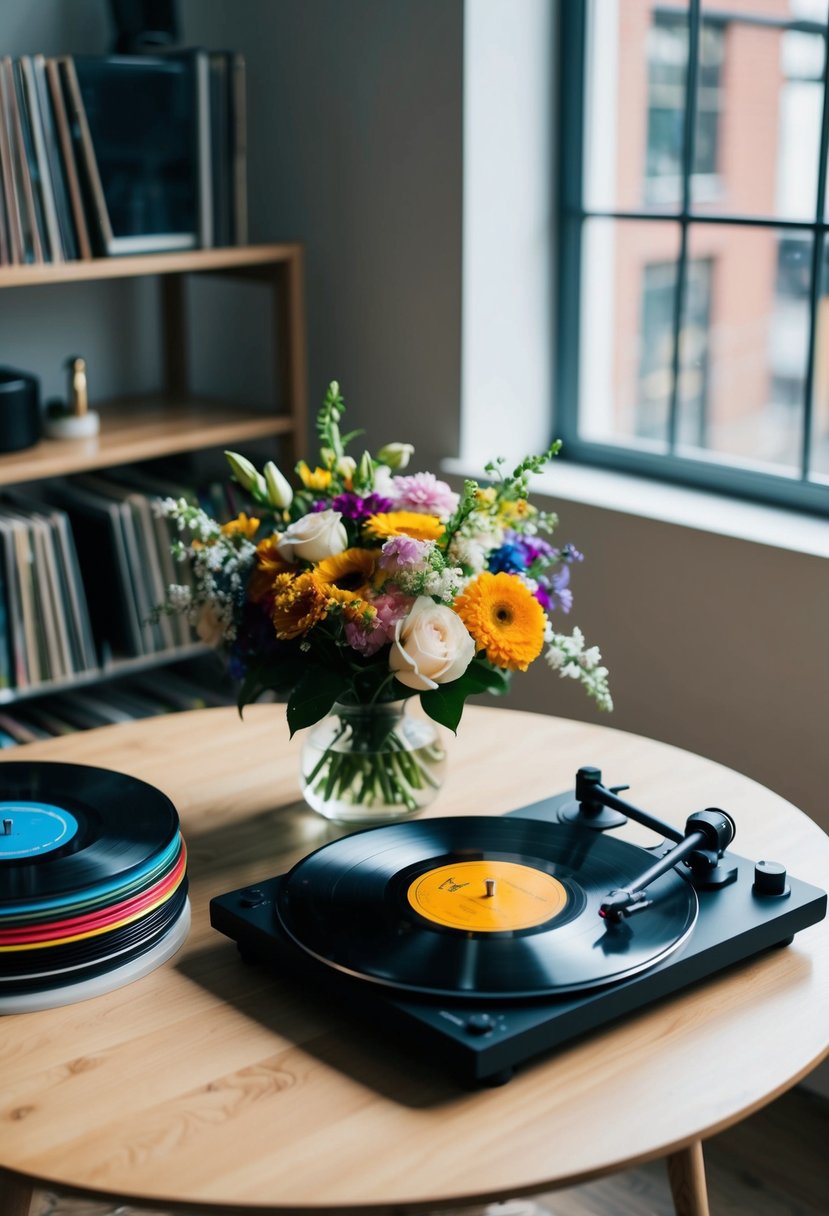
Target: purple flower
[[352, 506], [423, 492], [553, 591]]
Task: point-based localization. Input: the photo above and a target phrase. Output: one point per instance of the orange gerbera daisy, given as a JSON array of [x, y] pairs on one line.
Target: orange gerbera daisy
[[299, 603], [504, 618], [352, 570], [404, 523]]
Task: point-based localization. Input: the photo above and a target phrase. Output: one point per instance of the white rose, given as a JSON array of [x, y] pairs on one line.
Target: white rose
[[316, 536], [431, 646]]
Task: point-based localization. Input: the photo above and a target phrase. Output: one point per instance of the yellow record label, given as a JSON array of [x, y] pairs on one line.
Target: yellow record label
[[487, 896]]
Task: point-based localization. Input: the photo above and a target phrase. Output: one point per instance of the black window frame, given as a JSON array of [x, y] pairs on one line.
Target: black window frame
[[734, 480]]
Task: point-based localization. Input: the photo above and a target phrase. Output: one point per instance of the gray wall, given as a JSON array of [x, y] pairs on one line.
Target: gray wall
[[355, 137], [714, 644]]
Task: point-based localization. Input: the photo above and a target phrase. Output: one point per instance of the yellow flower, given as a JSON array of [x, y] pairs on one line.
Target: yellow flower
[[485, 497], [504, 618], [268, 565], [404, 523], [353, 607], [318, 479], [515, 508], [241, 525], [300, 602], [352, 570]]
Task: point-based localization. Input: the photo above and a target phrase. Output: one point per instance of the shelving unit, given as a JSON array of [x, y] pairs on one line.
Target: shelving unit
[[175, 420]]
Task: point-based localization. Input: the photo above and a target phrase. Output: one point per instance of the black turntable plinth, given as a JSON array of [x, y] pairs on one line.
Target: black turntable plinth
[[485, 941]]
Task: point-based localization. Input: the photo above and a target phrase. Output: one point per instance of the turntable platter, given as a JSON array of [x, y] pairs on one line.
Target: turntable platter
[[480, 907]]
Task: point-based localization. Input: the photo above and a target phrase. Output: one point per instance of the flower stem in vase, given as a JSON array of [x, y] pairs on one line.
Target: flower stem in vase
[[371, 763]]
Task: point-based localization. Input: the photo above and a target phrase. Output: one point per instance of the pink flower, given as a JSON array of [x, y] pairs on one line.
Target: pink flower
[[404, 551], [423, 492], [390, 608]]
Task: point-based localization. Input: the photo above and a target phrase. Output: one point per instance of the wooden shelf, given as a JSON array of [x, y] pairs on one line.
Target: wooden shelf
[[142, 428], [175, 420], [249, 257], [112, 670]]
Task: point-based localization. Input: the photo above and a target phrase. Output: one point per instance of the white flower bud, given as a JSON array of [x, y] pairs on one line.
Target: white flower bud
[[396, 455], [346, 467], [279, 491], [246, 475], [365, 471]]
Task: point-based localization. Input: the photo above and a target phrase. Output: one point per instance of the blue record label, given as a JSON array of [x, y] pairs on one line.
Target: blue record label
[[30, 829]]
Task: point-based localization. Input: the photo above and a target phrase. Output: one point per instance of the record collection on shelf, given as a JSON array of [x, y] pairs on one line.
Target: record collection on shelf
[[113, 154], [84, 564]]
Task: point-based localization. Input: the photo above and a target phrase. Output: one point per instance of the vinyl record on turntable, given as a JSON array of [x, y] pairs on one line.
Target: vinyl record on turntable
[[93, 882], [475, 906]]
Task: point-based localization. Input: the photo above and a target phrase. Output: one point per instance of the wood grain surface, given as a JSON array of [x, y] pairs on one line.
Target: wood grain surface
[[222, 1087]]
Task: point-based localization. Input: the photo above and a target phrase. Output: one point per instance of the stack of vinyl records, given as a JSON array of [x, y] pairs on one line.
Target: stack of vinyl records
[[93, 883]]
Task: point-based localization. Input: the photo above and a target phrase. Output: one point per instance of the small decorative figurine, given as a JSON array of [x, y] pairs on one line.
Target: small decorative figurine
[[73, 419]]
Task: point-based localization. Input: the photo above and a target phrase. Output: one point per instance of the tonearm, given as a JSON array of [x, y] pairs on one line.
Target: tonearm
[[701, 846]]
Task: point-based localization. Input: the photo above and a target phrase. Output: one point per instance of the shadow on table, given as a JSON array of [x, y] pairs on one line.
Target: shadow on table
[[233, 853], [283, 1004]]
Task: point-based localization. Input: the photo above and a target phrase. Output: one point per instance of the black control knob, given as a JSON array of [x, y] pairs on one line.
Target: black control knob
[[770, 879], [252, 897], [480, 1023]]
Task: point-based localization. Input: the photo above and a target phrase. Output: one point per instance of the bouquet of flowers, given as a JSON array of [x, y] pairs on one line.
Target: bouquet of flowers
[[363, 585]]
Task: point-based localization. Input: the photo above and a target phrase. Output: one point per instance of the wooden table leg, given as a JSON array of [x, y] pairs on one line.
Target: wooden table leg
[[15, 1196], [686, 1174]]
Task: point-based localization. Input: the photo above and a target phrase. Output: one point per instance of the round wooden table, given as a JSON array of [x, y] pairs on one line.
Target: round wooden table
[[216, 1087]]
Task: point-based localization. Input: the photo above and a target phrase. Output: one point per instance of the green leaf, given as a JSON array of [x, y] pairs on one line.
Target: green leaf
[[487, 678], [444, 704], [313, 696]]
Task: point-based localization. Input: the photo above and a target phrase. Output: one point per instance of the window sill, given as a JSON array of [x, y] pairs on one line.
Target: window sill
[[697, 509]]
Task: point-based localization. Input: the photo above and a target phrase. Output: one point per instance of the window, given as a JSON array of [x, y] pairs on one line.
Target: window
[[693, 315]]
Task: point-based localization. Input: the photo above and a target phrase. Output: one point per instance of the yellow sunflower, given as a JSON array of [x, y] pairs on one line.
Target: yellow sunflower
[[300, 602], [404, 523], [504, 618], [352, 570], [242, 524]]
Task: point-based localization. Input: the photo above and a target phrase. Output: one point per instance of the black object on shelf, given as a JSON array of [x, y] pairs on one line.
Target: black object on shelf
[[144, 25], [19, 410]]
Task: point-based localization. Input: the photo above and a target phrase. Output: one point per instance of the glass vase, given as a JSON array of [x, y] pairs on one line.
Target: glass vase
[[369, 764]]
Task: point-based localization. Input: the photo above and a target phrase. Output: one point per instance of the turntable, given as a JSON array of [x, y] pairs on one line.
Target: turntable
[[485, 941]]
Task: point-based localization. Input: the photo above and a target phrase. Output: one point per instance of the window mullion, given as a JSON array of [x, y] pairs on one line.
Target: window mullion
[[816, 272], [688, 140]]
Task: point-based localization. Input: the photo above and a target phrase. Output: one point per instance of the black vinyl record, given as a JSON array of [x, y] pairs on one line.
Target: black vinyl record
[[80, 960], [119, 824], [474, 906]]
